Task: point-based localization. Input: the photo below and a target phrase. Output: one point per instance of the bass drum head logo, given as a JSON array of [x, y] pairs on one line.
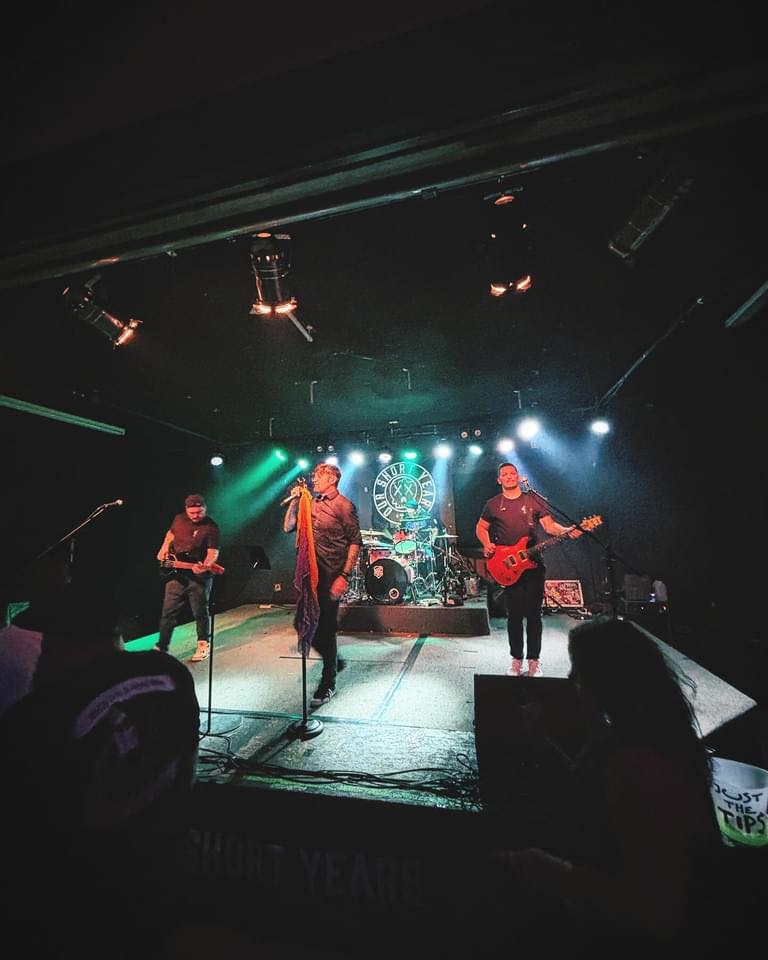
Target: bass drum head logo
[[398, 483]]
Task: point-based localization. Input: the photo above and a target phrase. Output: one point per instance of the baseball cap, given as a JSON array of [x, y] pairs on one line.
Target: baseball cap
[[194, 500]]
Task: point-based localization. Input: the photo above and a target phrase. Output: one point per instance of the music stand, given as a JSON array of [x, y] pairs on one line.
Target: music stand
[[259, 558]]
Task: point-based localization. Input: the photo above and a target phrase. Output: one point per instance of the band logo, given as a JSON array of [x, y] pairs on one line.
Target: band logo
[[399, 482]]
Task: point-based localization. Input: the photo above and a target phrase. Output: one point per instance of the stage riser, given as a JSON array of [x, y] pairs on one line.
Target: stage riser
[[463, 621]]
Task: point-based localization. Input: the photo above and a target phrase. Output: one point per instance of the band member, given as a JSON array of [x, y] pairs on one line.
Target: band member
[[193, 537], [337, 539], [506, 518]]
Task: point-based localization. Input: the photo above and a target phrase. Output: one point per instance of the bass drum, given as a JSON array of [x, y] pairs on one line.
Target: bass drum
[[386, 581]]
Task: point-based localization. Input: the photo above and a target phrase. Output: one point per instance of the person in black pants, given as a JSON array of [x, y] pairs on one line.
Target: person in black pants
[[506, 519], [193, 538], [336, 530]]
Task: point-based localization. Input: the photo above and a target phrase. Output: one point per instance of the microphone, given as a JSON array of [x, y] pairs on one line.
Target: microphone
[[294, 496], [114, 503]]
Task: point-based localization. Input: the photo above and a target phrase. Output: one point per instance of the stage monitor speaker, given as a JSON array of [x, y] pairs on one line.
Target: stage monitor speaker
[[528, 730]]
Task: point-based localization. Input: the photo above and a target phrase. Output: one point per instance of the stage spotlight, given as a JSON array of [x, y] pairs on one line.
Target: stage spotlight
[[470, 433], [600, 427], [509, 245], [652, 210], [81, 304], [217, 460], [384, 457], [442, 450], [505, 445], [333, 460], [528, 428], [271, 264], [357, 458], [280, 454], [475, 450], [302, 463], [410, 454]]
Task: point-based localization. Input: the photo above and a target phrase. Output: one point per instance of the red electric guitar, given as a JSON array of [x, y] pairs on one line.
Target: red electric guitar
[[508, 564]]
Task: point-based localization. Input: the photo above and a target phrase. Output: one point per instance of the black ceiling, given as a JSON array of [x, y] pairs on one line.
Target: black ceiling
[[377, 161]]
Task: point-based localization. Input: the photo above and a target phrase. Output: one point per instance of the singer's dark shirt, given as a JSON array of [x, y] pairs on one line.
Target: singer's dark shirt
[[335, 526], [512, 519], [191, 541]]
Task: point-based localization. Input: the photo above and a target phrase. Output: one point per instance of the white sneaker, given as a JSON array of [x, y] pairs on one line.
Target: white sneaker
[[516, 668], [534, 669], [322, 695], [202, 652]]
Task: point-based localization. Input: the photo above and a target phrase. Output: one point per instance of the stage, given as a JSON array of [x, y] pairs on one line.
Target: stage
[[380, 823], [404, 701]]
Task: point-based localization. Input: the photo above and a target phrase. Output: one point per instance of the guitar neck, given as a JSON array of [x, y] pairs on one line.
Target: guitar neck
[[538, 547]]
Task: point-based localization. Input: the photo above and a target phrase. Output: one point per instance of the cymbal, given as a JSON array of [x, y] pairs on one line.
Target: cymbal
[[377, 543], [375, 533], [446, 536]]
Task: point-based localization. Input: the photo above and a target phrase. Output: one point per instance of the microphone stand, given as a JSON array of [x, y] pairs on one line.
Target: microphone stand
[[307, 727], [208, 732], [610, 555], [69, 536]]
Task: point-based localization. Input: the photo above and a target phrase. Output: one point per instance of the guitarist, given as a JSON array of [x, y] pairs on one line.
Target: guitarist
[[192, 537], [506, 518]]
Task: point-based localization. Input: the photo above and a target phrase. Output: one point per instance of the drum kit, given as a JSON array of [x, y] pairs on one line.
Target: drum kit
[[414, 564]]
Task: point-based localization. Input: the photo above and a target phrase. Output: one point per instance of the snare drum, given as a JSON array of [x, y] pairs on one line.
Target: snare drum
[[405, 541], [378, 553]]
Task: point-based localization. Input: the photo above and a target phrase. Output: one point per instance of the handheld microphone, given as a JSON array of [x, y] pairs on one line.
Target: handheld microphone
[[114, 503], [294, 496]]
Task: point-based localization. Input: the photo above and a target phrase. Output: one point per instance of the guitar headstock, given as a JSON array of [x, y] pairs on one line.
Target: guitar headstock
[[589, 523]]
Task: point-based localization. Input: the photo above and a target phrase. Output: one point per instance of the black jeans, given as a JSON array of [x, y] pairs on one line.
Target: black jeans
[[324, 640], [523, 602], [178, 590]]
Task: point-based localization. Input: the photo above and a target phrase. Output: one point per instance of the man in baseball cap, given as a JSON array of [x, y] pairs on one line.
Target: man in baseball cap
[[189, 552]]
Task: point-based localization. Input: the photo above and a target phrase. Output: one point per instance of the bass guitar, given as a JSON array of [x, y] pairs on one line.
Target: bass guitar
[[509, 563], [170, 564]]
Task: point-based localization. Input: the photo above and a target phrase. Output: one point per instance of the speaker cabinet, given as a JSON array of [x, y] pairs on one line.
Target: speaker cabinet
[[528, 730]]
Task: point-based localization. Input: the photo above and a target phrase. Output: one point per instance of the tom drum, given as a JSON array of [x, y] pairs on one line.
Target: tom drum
[[405, 542]]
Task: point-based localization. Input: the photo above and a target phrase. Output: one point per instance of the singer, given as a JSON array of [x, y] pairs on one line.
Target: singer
[[337, 538], [193, 537], [507, 518]]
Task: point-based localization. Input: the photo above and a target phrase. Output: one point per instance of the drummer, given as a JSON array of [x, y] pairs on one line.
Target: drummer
[[417, 520]]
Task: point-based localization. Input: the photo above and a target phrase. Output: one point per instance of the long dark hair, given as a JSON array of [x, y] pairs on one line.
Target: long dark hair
[[623, 673]]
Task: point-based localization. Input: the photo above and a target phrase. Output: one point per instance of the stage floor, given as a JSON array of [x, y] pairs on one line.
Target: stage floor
[[401, 726]]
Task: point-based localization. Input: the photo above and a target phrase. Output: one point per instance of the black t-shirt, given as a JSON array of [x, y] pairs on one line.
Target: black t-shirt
[[191, 541], [512, 519]]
